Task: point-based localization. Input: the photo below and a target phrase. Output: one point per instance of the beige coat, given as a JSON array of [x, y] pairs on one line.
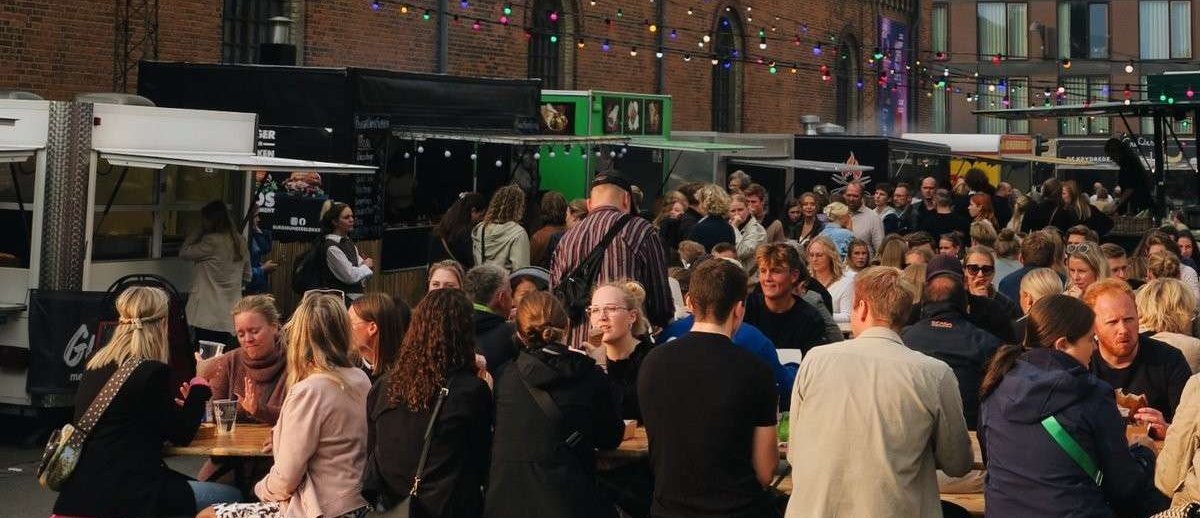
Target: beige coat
[[1175, 471], [871, 423], [320, 447], [217, 280]]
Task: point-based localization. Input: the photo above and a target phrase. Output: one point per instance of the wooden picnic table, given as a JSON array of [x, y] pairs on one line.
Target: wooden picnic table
[[246, 441]]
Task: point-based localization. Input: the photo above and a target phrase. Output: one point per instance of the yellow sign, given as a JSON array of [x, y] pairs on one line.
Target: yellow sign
[[960, 165]]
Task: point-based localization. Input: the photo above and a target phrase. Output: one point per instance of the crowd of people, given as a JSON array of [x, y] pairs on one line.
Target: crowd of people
[[972, 308]]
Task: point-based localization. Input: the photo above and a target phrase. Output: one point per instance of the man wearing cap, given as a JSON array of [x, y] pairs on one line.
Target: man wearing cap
[[636, 252], [944, 332]]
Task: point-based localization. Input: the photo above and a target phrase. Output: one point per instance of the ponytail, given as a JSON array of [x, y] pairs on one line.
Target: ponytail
[[1003, 361]]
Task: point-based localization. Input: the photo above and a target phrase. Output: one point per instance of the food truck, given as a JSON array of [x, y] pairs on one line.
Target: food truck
[[95, 192], [893, 159]]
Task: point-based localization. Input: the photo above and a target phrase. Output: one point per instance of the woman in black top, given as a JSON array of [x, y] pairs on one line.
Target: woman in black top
[[617, 321], [451, 238], [714, 228], [120, 472], [543, 458], [437, 351]]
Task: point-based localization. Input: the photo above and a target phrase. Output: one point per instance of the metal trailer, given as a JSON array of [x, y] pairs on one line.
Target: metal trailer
[[102, 191]]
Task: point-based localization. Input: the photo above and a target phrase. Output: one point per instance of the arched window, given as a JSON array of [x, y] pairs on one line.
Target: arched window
[[848, 80], [545, 56], [726, 89]]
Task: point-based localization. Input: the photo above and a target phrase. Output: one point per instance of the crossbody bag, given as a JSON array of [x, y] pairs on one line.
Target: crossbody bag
[[404, 508], [1072, 448]]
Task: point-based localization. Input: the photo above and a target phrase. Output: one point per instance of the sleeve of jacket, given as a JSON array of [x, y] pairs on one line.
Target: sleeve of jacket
[[296, 440], [951, 444], [651, 270], [198, 247], [178, 424], [760, 345], [606, 415], [518, 254], [371, 482], [340, 267], [1126, 477], [748, 240], [1178, 375], [1175, 460]]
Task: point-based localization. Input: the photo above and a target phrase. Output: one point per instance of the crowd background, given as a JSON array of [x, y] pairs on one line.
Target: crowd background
[[970, 307]]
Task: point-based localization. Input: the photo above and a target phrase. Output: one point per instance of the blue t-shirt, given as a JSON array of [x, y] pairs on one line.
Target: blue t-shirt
[[751, 339]]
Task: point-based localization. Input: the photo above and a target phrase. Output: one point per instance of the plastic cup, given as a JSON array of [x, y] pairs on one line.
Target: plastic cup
[[210, 350], [225, 415]]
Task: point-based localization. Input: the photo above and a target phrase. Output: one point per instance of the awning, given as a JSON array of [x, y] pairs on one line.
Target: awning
[[155, 159], [514, 139], [1099, 109], [812, 165], [689, 145], [15, 153]]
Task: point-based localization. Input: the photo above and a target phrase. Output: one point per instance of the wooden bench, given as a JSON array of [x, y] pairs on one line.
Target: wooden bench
[[973, 502]]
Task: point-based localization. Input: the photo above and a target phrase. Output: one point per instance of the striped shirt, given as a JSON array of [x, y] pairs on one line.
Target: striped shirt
[[635, 253]]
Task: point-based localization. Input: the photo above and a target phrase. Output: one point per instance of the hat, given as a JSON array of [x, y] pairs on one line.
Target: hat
[[612, 178], [536, 272], [943, 265]]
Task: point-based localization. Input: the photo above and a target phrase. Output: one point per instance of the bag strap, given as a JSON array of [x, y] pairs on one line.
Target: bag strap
[[483, 243], [550, 409], [446, 247], [597, 253], [106, 395], [1069, 445], [437, 409]]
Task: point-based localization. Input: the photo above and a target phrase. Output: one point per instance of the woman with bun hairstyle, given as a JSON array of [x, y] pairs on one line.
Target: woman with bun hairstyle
[[544, 462], [1031, 475]]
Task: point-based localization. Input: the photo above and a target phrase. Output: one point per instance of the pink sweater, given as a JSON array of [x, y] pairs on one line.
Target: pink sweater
[[320, 445]]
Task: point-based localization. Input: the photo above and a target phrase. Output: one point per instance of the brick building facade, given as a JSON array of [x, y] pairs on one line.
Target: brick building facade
[[59, 49]]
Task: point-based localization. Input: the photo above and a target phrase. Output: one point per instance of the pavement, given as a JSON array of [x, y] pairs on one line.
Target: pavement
[[20, 494]]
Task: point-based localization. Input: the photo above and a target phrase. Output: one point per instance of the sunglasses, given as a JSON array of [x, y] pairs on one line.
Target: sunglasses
[[1081, 248], [976, 269], [324, 292]]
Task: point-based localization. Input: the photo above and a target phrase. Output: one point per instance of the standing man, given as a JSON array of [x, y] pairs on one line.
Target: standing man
[[872, 420], [487, 287], [925, 204], [866, 223], [756, 198], [709, 409], [902, 201], [883, 207], [635, 253]]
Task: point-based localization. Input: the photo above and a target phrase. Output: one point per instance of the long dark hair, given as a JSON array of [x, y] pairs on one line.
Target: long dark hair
[[457, 219], [440, 340], [217, 220], [1187, 234], [1051, 318], [391, 317]]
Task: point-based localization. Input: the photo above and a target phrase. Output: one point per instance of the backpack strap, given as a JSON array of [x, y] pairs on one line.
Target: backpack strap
[[597, 254], [1069, 445]]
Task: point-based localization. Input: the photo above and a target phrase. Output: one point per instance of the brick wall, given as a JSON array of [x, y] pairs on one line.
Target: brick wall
[[58, 52]]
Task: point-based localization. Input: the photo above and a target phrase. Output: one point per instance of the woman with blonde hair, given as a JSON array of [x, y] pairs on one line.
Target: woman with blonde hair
[[445, 274], [1007, 246], [1085, 266], [838, 226], [500, 239], [826, 268], [979, 270], [1166, 308], [618, 322], [533, 472], [120, 471], [714, 228], [1038, 283], [320, 442], [222, 268], [893, 252], [1162, 265]]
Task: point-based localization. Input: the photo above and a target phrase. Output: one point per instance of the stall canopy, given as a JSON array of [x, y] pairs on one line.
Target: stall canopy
[[156, 159], [513, 139], [1103, 109], [688, 145], [812, 165], [15, 153]]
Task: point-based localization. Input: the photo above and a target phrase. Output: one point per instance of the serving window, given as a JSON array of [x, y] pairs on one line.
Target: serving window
[[16, 211], [152, 210]]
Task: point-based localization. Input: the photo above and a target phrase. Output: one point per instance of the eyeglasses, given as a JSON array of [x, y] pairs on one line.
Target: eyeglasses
[[976, 269], [1081, 248], [604, 310]]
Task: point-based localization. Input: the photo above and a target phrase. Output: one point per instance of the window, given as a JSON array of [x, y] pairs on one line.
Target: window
[[1182, 126], [1165, 29], [245, 24], [16, 212], [1082, 30], [1002, 29], [725, 92], [545, 61], [1003, 92], [937, 118], [940, 28], [154, 211], [1080, 90]]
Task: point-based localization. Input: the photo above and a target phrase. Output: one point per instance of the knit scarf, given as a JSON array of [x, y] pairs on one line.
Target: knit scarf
[[265, 369]]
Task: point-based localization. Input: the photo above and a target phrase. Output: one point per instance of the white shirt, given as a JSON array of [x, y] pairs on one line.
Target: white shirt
[[842, 293], [339, 264]]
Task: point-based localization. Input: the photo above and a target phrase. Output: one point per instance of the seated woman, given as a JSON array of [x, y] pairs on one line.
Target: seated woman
[[1166, 309], [120, 471], [378, 323], [445, 274], [533, 472], [438, 352], [1047, 381], [618, 323], [1085, 266], [320, 441], [826, 267]]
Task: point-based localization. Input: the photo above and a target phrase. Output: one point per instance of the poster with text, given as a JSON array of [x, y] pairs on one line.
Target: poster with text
[[892, 101]]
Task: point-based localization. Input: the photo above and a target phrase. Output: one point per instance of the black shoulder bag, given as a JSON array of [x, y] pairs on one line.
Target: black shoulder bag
[[575, 289], [404, 508]]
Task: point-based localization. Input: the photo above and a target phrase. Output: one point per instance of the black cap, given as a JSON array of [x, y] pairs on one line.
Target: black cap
[[944, 265], [613, 179]]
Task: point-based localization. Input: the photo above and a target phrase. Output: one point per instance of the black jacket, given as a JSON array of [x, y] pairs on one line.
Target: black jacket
[[946, 334], [457, 465], [1029, 475], [712, 231], [459, 250], [494, 339], [534, 472], [688, 221], [121, 473]]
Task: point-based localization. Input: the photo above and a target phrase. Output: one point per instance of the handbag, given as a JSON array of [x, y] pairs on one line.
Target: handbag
[[404, 508], [63, 449]]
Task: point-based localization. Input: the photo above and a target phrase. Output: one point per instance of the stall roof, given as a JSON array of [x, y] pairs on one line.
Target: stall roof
[[812, 165], [689, 145], [1103, 109], [513, 139], [157, 159], [16, 153]]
